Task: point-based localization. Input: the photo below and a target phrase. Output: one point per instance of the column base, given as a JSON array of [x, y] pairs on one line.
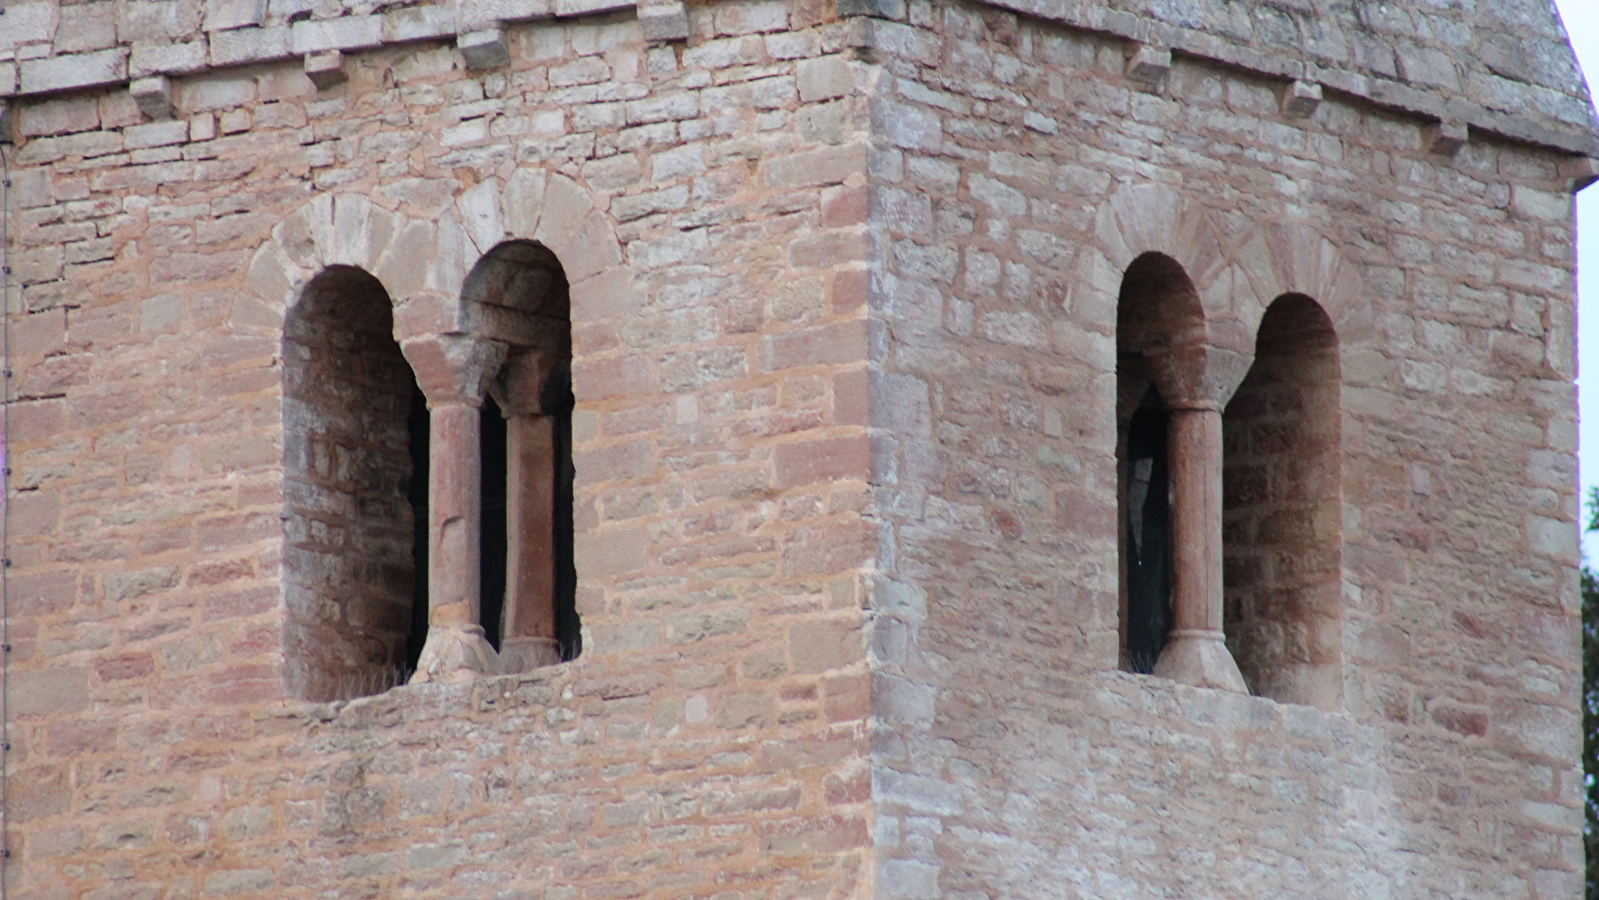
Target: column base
[[524, 654], [1200, 657], [454, 655]]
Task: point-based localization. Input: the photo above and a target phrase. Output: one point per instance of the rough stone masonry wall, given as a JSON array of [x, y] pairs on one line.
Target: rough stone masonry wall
[[1011, 758], [1502, 66], [710, 740]]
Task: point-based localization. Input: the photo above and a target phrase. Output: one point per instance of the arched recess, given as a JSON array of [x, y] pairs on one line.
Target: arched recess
[[1234, 274], [422, 257], [1281, 520], [519, 295], [1157, 310], [350, 576]]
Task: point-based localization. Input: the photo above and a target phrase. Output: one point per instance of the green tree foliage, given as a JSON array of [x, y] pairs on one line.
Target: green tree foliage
[[1590, 703]]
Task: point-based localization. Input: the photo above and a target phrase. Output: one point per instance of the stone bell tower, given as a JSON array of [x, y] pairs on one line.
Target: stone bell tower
[[926, 449]]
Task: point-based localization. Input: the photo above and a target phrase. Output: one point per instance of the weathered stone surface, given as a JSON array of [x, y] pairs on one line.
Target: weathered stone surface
[[484, 49], [326, 69], [841, 295], [74, 71], [153, 94]]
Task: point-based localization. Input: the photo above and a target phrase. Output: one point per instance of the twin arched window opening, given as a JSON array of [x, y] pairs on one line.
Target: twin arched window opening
[[1228, 497], [378, 442]]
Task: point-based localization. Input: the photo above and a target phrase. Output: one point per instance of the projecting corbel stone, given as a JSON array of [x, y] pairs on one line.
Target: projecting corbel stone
[[325, 69], [485, 49], [1146, 64], [1446, 137], [1301, 99], [663, 22], [1580, 171], [153, 96]]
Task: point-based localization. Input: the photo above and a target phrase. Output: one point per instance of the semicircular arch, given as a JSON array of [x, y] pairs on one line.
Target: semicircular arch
[[1235, 277], [424, 261]]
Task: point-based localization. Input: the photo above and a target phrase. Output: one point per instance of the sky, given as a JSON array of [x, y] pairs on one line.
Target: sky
[[1582, 23]]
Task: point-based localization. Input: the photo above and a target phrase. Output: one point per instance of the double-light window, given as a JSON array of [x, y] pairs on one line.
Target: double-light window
[[367, 465], [1228, 493]]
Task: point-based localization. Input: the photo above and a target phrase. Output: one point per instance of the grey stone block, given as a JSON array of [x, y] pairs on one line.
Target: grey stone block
[[484, 49], [1446, 137], [165, 58], [664, 22], [348, 33], [1301, 99], [1146, 64], [418, 23], [877, 9], [326, 69], [224, 14], [77, 70], [153, 95], [247, 45]]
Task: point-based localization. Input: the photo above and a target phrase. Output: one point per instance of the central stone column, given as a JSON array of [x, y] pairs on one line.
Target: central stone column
[[530, 499], [1196, 649], [530, 640], [452, 371]]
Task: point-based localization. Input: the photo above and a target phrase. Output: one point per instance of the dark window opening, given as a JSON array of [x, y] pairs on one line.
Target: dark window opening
[[1157, 314], [557, 401], [1146, 502], [420, 427], [493, 549]]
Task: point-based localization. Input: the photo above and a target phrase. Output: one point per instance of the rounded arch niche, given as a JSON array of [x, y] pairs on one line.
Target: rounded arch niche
[[1281, 520], [349, 573], [1185, 298], [1157, 314], [442, 272]]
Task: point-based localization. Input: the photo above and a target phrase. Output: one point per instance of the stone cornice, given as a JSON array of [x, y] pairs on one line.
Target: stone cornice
[[153, 38], [1482, 99]]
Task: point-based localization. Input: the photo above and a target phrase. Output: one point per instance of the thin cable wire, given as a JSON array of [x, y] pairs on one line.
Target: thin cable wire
[[5, 520]]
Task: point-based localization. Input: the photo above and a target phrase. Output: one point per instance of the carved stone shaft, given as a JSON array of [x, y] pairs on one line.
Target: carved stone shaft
[[1196, 649], [456, 647]]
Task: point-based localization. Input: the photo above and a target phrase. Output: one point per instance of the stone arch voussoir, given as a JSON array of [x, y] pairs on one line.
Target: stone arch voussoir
[[1139, 219], [1236, 278], [423, 263], [1280, 258]]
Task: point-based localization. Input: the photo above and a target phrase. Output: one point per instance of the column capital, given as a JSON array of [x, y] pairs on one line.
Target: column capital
[[453, 369], [520, 390], [1200, 374]]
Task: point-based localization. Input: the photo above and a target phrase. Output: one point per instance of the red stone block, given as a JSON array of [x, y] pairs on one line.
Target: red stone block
[[119, 668], [825, 459]]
